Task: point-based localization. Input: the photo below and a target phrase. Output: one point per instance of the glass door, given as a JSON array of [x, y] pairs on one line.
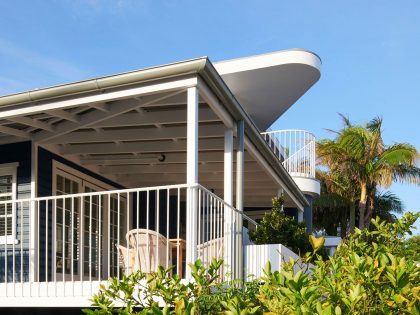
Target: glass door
[[67, 222], [93, 231]]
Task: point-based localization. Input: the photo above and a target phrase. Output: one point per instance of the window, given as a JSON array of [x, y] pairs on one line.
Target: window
[[7, 209]]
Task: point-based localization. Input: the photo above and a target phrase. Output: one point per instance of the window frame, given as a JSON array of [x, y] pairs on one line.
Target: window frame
[[10, 169]]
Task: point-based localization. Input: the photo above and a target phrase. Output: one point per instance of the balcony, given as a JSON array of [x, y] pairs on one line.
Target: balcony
[[83, 239], [296, 151]]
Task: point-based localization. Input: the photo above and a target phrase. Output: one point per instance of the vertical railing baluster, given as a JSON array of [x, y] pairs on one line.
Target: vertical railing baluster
[[90, 238], [177, 234], [127, 203], [13, 244], [167, 228], [109, 238], [81, 239], [200, 226], [21, 248], [157, 228], [137, 260], [72, 244], [46, 241], [148, 264], [100, 238], [118, 231], [63, 244]]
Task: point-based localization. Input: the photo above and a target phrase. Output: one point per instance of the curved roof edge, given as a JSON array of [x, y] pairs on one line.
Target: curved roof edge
[[281, 57]]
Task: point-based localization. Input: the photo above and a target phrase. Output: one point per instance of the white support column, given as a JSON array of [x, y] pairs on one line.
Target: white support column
[[300, 215], [33, 234], [229, 254], [239, 197], [192, 176]]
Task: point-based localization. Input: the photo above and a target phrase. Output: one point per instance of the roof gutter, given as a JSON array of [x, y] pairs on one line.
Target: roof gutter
[[103, 83]]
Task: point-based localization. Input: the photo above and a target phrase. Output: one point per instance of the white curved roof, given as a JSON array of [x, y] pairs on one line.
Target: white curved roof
[[267, 85]]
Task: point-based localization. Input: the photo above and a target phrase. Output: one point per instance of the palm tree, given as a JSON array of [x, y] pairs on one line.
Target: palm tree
[[387, 205], [359, 153], [338, 192], [333, 210]]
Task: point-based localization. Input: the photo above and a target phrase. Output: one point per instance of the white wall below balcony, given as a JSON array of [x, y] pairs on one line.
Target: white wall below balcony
[[256, 257], [307, 185]]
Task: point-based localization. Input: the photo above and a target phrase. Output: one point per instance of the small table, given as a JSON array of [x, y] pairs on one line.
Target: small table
[[179, 242]]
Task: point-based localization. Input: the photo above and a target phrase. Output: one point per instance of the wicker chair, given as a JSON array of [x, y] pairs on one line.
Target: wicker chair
[[147, 250]]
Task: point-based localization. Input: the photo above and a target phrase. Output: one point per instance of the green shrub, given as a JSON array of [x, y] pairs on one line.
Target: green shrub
[[412, 246], [371, 273], [278, 228]]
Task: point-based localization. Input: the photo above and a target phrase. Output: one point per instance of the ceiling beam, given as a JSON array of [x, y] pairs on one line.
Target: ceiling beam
[[61, 113], [140, 147], [259, 177], [32, 123], [152, 133], [174, 116], [86, 120], [169, 159], [15, 132], [170, 168]]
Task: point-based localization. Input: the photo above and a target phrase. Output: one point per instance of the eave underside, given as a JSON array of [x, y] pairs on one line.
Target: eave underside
[[136, 136]]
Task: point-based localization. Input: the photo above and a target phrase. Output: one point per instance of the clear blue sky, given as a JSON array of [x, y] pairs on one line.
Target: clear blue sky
[[370, 51]]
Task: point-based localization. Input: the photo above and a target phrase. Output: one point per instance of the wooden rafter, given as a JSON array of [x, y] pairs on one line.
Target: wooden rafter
[[90, 118]]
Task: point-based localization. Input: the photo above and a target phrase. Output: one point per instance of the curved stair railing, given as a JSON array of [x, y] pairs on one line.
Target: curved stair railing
[[295, 149]]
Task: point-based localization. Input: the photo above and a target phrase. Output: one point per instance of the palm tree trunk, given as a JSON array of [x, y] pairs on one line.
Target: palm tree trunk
[[352, 216], [362, 205], [370, 207]]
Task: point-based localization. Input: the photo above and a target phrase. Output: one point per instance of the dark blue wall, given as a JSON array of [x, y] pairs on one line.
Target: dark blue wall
[[45, 170], [21, 153], [307, 215]]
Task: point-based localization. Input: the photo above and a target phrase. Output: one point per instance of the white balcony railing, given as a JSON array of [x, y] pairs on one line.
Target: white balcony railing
[[83, 239], [295, 149]]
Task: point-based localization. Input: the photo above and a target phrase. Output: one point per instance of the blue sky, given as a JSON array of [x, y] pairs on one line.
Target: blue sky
[[370, 51]]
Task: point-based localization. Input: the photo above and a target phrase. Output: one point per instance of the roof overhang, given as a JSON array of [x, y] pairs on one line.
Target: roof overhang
[[268, 85], [110, 90]]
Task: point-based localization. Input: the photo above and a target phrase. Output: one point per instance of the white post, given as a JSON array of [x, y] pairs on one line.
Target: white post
[[192, 176], [33, 243], [229, 254], [300, 215], [240, 197]]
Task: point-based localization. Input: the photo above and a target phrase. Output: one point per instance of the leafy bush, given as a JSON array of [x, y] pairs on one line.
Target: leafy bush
[[141, 293], [278, 228], [412, 246], [370, 273]]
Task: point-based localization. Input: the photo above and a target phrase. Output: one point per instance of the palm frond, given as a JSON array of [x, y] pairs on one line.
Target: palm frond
[[346, 120]]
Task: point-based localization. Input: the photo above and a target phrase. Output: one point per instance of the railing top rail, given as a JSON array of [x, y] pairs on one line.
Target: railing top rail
[[98, 193], [287, 130], [226, 204], [128, 190]]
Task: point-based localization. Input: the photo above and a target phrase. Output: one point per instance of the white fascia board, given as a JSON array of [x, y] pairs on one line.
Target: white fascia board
[[150, 88], [278, 58]]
